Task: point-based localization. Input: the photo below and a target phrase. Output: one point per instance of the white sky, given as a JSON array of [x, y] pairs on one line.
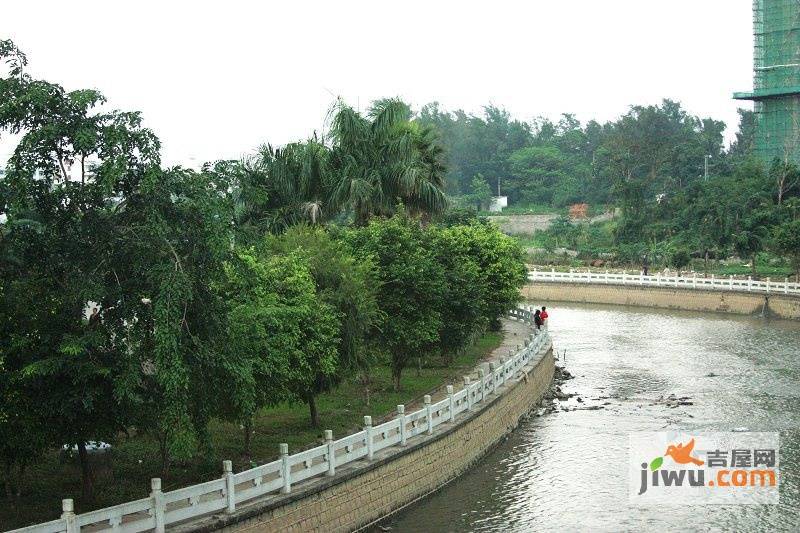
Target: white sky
[[216, 79]]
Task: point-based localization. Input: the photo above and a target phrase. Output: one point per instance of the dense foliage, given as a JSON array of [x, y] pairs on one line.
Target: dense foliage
[[650, 164], [138, 299]]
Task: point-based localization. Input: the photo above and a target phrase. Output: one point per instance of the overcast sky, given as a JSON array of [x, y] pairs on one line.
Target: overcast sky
[[216, 79]]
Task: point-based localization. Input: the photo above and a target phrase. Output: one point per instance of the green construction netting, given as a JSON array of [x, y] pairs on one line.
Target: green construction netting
[[776, 59]]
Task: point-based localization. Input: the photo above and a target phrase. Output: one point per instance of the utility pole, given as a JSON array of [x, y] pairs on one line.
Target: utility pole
[[707, 157], [498, 186]]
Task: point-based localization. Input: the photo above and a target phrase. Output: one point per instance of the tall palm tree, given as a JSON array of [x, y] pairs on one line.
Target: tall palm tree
[[383, 159], [299, 177], [427, 194], [279, 187], [374, 162]]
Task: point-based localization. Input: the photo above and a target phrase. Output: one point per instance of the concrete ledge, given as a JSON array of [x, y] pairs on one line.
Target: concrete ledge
[[740, 303], [363, 492]]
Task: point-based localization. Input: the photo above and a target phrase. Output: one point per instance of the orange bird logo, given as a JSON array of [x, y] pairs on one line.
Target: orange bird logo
[[682, 453]]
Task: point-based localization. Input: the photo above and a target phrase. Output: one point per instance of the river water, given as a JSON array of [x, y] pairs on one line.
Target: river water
[[567, 471]]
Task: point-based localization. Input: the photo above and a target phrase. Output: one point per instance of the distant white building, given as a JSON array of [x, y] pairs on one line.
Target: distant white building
[[498, 203]]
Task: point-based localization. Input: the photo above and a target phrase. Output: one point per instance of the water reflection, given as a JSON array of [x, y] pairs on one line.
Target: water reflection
[[567, 471]]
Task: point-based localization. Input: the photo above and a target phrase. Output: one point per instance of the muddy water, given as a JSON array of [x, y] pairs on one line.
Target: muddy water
[[567, 471]]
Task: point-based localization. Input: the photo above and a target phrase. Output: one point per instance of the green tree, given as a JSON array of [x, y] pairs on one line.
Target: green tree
[[173, 239], [263, 330], [787, 243], [750, 236], [475, 144], [679, 259], [742, 147], [410, 292], [382, 159], [500, 262], [537, 171], [464, 298], [22, 439], [786, 177], [289, 185], [480, 194], [70, 173], [346, 286]]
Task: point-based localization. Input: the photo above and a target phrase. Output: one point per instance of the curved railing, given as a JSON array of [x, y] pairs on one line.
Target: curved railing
[[225, 494], [730, 283]]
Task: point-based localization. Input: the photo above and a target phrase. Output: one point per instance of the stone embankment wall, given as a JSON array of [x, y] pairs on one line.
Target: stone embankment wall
[[740, 303], [369, 491]]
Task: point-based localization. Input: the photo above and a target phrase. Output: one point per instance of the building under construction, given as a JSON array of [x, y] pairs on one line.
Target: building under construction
[[776, 79]]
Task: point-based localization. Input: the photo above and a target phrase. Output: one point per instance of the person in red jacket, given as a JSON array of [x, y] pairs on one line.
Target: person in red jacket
[[544, 315]]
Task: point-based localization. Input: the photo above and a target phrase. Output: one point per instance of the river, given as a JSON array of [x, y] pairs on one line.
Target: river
[[567, 471]]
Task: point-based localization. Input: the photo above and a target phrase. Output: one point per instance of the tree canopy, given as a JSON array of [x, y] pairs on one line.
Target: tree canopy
[[144, 300]]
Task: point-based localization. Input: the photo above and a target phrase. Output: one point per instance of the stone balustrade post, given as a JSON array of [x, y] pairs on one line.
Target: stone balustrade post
[[159, 507], [428, 414], [286, 468], [331, 453], [452, 403], [68, 516], [749, 283], [482, 377], [492, 377], [368, 431], [768, 284], [401, 415], [230, 486], [469, 396], [786, 285]]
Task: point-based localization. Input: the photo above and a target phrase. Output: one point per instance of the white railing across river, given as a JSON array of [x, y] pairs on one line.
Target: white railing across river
[[730, 283], [223, 495]]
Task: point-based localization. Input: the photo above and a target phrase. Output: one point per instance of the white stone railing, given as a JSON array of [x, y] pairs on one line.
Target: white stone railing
[[225, 494], [686, 282]]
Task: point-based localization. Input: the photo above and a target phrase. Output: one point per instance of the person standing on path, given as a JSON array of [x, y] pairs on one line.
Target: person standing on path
[[645, 265], [544, 316], [537, 319]]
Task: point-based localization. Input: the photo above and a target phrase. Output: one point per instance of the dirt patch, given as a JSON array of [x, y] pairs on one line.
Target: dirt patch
[[528, 224]]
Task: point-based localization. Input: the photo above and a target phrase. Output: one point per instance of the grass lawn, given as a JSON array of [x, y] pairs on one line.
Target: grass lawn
[[776, 273], [124, 473], [536, 240]]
